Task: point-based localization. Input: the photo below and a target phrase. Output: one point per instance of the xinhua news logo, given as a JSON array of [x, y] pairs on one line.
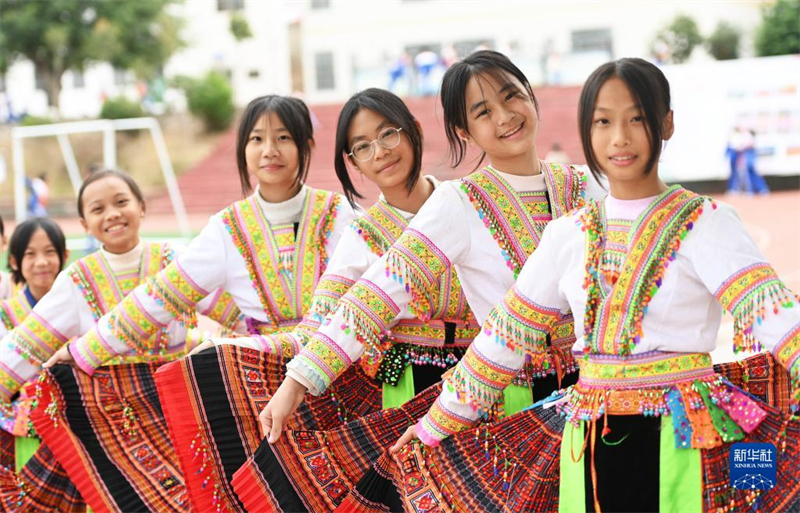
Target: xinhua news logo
[[754, 466]]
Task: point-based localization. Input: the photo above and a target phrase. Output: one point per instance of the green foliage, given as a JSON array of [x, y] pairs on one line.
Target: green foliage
[[61, 35], [723, 43], [239, 27], [681, 36], [35, 120], [779, 32], [211, 99], [121, 108]]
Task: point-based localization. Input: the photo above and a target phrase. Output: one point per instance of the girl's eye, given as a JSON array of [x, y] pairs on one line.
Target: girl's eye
[[96, 210], [284, 138], [483, 113], [601, 121], [255, 138], [512, 94], [637, 119]]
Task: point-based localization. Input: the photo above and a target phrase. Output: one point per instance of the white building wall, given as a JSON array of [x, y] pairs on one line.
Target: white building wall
[[370, 34], [365, 36]]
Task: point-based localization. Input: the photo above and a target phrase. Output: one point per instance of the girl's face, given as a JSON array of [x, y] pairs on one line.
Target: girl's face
[[389, 167], [619, 136], [112, 214], [40, 263], [271, 154], [501, 117]]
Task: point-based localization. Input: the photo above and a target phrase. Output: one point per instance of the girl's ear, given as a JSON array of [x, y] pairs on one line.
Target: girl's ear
[[668, 128], [419, 127], [84, 225], [311, 143], [464, 136], [12, 263]]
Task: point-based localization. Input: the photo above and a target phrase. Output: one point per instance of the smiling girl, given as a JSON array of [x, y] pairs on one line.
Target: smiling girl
[[37, 253], [111, 208], [649, 426], [267, 251]]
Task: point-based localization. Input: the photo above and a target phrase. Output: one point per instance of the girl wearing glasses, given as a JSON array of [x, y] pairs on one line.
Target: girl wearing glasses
[[485, 226], [268, 251]]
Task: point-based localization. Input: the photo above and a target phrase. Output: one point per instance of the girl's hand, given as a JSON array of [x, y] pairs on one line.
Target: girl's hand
[[408, 436], [61, 356], [282, 405], [202, 347]]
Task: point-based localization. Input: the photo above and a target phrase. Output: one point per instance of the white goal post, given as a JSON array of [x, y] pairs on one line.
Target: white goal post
[[109, 128]]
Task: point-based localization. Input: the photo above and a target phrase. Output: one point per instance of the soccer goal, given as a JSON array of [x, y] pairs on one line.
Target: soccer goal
[[108, 127]]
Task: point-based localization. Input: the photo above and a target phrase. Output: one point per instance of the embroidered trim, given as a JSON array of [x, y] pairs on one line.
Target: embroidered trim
[[613, 324], [520, 324], [745, 295], [252, 235], [174, 290], [415, 261], [330, 289], [366, 312], [321, 361], [504, 215], [35, 339], [14, 310], [787, 353], [380, 227], [478, 381], [706, 410]]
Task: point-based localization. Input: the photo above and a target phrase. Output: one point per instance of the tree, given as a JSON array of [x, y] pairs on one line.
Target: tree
[[61, 35], [779, 32], [680, 37], [239, 27], [723, 43]]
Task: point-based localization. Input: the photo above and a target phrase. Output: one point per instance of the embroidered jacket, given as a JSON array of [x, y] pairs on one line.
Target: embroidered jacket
[[480, 225], [647, 296], [270, 272], [370, 236], [13, 311], [80, 295]]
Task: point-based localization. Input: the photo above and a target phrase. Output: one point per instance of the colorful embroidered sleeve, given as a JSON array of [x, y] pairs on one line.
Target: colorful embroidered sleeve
[[171, 294], [52, 322], [221, 308], [765, 312], [515, 331], [403, 278]]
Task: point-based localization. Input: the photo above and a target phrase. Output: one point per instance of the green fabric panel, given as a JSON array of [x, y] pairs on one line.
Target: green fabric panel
[[24, 447], [723, 423], [516, 398], [394, 396], [680, 474], [572, 489]]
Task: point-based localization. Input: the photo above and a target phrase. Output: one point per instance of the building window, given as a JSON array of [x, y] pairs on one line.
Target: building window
[[320, 4], [77, 80], [254, 73], [324, 65], [230, 5], [592, 41]]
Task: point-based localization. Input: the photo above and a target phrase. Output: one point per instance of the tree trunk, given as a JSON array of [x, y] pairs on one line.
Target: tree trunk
[[52, 84]]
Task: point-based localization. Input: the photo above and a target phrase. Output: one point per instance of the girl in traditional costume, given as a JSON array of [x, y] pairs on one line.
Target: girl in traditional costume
[[647, 271], [110, 206], [37, 254], [485, 226], [267, 251]]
